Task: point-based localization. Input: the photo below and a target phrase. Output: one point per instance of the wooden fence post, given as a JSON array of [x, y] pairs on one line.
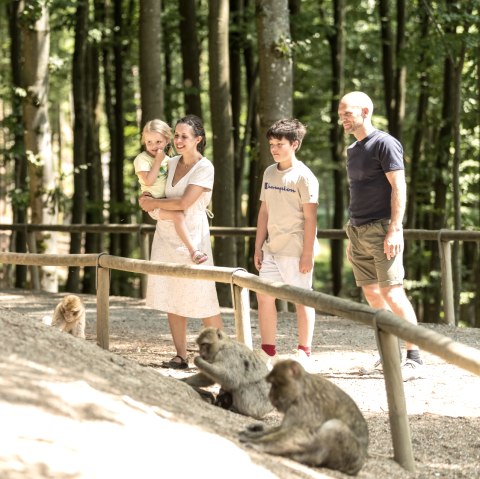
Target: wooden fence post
[[445, 251], [32, 248], [241, 312], [103, 301], [397, 408]]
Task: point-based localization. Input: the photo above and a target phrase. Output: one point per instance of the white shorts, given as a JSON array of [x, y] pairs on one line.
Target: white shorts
[[285, 269]]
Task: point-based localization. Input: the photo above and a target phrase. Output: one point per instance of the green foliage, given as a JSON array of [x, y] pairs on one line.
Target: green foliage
[[19, 198], [283, 47], [32, 12]]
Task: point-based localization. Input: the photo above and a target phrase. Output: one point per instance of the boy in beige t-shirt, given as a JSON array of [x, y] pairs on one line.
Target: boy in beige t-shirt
[[286, 243], [151, 167]]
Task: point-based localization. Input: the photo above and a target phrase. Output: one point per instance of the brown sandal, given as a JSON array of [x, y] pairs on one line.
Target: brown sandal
[[172, 364]]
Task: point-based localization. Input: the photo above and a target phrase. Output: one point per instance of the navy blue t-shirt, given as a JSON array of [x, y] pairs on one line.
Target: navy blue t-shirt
[[370, 191]]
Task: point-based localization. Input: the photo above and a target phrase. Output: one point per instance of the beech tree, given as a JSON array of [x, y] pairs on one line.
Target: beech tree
[[219, 79], [276, 78], [35, 34]]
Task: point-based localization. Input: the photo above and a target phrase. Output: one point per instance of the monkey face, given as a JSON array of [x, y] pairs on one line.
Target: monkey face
[[284, 384], [206, 350], [71, 315], [209, 342], [71, 308]]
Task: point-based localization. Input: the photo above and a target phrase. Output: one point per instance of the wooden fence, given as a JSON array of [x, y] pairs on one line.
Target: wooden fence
[[443, 237], [388, 327]]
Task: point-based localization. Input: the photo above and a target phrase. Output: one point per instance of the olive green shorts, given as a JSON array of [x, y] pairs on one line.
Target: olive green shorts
[[369, 263]]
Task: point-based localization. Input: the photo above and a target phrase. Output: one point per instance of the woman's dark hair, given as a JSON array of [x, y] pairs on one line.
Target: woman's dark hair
[[198, 130]]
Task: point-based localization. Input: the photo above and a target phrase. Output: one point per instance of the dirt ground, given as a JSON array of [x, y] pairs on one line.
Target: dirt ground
[[69, 409]]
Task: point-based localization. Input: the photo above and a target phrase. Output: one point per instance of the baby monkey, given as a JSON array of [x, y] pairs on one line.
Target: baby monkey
[[69, 316]]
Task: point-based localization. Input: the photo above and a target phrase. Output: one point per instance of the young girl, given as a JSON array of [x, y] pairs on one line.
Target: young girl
[[151, 167]]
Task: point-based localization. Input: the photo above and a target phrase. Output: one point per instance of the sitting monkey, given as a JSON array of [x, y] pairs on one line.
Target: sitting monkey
[[322, 425], [69, 316], [236, 368]]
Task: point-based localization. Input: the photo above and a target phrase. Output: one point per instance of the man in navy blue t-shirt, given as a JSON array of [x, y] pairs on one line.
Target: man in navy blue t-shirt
[[378, 195]]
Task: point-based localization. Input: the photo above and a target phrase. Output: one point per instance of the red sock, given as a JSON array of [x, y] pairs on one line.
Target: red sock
[[270, 349], [306, 349]]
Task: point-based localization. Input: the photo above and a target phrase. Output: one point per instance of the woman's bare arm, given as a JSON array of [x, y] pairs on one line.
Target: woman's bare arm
[[192, 193]]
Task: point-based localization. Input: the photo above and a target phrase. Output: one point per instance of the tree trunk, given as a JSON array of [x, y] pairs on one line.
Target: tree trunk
[[441, 182], [224, 190], [79, 80], [422, 109], [456, 252], [275, 61], [400, 73], [120, 284], [236, 40], [251, 142], [457, 156], [150, 46], [190, 56], [387, 63], [418, 167], [337, 55], [36, 50], [476, 268], [95, 184], [19, 238], [103, 16], [169, 100]]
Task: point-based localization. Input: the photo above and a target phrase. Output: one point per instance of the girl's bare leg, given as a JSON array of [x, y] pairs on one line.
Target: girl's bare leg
[[178, 218]]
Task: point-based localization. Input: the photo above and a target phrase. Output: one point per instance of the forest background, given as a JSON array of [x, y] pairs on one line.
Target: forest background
[[78, 80]]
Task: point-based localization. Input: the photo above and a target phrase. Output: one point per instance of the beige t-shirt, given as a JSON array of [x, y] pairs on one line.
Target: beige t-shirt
[[144, 162], [285, 192]]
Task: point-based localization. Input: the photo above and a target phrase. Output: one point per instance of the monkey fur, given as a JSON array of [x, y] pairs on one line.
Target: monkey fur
[[321, 426], [237, 369], [69, 316]]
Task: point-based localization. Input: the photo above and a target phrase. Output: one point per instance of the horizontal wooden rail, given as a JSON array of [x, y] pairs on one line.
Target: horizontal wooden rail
[[410, 234], [33, 259]]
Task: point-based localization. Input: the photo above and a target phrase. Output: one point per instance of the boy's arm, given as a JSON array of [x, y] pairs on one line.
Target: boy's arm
[[309, 237], [261, 235], [149, 177]]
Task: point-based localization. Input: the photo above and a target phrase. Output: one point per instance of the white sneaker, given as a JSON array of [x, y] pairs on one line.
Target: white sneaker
[[412, 370], [301, 357], [270, 361]]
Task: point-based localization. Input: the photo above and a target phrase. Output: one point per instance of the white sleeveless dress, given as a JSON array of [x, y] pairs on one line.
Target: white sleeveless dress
[[190, 298]]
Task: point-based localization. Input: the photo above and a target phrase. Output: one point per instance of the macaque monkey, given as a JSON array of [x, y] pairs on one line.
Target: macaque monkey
[[321, 426], [69, 316], [238, 370]]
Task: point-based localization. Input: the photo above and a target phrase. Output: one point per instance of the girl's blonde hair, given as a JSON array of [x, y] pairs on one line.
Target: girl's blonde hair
[[159, 126]]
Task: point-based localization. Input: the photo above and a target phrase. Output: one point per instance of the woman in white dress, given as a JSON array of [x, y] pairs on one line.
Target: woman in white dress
[[189, 188]]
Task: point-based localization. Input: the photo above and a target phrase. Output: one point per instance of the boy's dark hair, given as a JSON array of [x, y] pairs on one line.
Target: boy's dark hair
[[289, 129]]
